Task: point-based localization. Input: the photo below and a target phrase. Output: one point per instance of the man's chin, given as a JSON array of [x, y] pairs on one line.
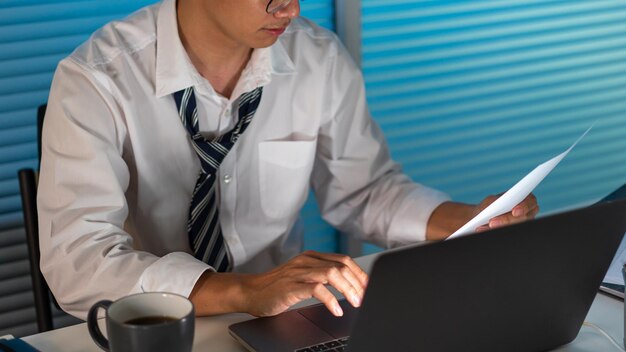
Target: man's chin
[[264, 43]]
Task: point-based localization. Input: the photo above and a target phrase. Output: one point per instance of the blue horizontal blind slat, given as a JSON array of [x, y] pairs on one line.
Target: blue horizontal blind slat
[[61, 10], [16, 136], [8, 187], [10, 220], [17, 118], [21, 32]]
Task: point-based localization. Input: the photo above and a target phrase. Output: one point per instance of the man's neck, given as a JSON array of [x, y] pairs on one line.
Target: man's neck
[[217, 58]]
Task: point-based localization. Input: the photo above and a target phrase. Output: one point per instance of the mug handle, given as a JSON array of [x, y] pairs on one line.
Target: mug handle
[[92, 324]]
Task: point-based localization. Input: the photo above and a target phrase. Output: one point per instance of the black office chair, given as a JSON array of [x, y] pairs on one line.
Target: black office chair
[[28, 191]]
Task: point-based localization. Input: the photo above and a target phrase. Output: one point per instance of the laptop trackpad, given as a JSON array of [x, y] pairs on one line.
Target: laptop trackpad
[[335, 326], [283, 332]]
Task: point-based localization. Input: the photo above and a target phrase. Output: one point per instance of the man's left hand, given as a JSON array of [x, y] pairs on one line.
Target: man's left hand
[[525, 210]]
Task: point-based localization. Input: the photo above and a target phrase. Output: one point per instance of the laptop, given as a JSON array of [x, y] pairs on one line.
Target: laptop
[[525, 287]]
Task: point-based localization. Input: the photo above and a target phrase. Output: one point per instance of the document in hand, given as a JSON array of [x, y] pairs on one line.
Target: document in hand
[[516, 194]]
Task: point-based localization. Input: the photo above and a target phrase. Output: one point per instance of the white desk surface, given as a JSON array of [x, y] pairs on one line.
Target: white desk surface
[[211, 333]]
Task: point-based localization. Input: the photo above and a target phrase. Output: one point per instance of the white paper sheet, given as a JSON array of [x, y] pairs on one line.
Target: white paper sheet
[[516, 194]]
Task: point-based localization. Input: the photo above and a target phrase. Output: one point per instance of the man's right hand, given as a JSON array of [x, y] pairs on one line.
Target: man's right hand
[[303, 277]]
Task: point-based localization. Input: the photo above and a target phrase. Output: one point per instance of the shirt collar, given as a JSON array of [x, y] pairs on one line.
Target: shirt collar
[[174, 70], [264, 63], [281, 63], [173, 67]]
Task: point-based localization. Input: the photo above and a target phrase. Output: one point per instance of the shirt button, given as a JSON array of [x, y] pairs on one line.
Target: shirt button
[[227, 179]]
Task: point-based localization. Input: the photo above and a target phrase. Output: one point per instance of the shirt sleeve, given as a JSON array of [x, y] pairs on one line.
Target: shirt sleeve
[[86, 254], [360, 189]]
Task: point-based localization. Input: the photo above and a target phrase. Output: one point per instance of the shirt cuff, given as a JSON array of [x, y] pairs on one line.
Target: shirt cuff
[[175, 273], [411, 219]]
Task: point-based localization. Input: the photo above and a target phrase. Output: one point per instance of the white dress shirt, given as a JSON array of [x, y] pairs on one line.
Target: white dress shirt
[[118, 168]]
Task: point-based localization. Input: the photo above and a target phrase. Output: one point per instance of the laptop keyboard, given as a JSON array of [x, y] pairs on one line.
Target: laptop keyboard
[[338, 345]]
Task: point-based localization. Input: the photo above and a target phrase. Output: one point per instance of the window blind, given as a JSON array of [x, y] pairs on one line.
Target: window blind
[[472, 95]]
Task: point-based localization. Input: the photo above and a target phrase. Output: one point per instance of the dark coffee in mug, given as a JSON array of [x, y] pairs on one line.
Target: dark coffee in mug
[[144, 322], [150, 320]]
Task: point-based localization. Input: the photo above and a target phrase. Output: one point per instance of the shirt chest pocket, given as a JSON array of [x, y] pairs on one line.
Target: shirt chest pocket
[[285, 171]]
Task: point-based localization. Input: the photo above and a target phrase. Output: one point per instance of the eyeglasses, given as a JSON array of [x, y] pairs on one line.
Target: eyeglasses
[[274, 6]]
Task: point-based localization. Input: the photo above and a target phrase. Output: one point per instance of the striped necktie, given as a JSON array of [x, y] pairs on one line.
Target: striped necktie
[[203, 227]]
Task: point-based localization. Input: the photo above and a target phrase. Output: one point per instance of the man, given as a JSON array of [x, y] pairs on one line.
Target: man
[[179, 147]]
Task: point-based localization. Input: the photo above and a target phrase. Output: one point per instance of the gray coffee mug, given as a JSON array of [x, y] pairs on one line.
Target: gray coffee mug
[[144, 322]]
